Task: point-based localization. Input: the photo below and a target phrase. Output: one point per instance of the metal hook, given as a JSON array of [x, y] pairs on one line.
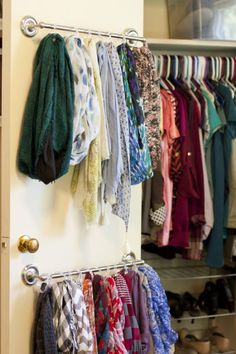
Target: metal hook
[[76, 32], [89, 34], [125, 268], [124, 39], [45, 282]]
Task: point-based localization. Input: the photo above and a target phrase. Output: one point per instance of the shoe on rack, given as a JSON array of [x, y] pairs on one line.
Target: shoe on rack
[[208, 299], [191, 304], [167, 252], [225, 294], [201, 346], [175, 303], [179, 349], [218, 339]]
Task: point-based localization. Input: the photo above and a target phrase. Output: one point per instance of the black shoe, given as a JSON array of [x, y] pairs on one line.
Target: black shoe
[[225, 294], [175, 303], [208, 299], [167, 252], [191, 304]]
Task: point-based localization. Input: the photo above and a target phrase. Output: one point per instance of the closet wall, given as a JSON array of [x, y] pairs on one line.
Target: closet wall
[[49, 213], [156, 19]]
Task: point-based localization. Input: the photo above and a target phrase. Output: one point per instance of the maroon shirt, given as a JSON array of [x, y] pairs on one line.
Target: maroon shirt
[[189, 207]]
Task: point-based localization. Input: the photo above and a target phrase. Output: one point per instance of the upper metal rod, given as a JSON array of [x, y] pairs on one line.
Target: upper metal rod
[[88, 31], [29, 27]]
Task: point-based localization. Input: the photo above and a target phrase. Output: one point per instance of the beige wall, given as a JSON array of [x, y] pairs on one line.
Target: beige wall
[[156, 19], [49, 212]]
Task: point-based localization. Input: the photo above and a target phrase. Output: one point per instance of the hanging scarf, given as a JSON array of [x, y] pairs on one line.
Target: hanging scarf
[[46, 141], [140, 161]]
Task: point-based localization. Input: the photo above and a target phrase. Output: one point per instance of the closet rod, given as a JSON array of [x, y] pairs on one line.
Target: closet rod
[[29, 27], [30, 273]]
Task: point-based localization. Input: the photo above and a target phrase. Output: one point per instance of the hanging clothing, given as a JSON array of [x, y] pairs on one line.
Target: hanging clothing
[[116, 318], [160, 320], [91, 45], [170, 133], [101, 314], [122, 206], [208, 204], [231, 220], [132, 338], [229, 135], [215, 252], [150, 94], [46, 140], [44, 340], [88, 173], [197, 204], [112, 169], [140, 161], [139, 302], [88, 298], [111, 314], [86, 108], [70, 319]]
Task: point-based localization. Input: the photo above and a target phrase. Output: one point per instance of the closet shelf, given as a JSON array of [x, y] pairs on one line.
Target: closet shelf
[[198, 44], [196, 273], [203, 315]]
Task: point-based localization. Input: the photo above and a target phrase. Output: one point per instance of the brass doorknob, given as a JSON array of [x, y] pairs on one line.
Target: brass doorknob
[[27, 244]]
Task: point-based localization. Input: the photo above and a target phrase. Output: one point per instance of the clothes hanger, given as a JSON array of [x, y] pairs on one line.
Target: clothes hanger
[[174, 70], [192, 73], [159, 63], [232, 69], [163, 82], [167, 78], [228, 70], [188, 68]]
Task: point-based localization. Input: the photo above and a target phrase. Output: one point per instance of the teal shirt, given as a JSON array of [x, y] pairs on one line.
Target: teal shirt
[[220, 162]]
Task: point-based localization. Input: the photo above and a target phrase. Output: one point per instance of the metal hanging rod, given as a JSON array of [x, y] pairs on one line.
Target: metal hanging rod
[[29, 26], [30, 273]]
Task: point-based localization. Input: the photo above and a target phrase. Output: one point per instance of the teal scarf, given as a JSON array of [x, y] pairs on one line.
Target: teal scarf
[[46, 140]]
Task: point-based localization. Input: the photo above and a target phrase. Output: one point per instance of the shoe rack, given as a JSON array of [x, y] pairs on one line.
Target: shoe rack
[[179, 276]]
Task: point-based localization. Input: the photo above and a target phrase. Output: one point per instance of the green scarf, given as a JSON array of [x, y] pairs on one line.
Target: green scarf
[[46, 140]]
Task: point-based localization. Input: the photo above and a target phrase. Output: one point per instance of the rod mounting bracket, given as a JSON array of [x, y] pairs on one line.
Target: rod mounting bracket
[[30, 274], [27, 26]]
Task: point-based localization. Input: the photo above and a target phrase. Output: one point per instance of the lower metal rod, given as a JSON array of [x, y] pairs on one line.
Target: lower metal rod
[[30, 273], [91, 270]]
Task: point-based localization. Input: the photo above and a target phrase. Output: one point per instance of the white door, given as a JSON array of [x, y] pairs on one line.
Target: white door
[[49, 213]]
